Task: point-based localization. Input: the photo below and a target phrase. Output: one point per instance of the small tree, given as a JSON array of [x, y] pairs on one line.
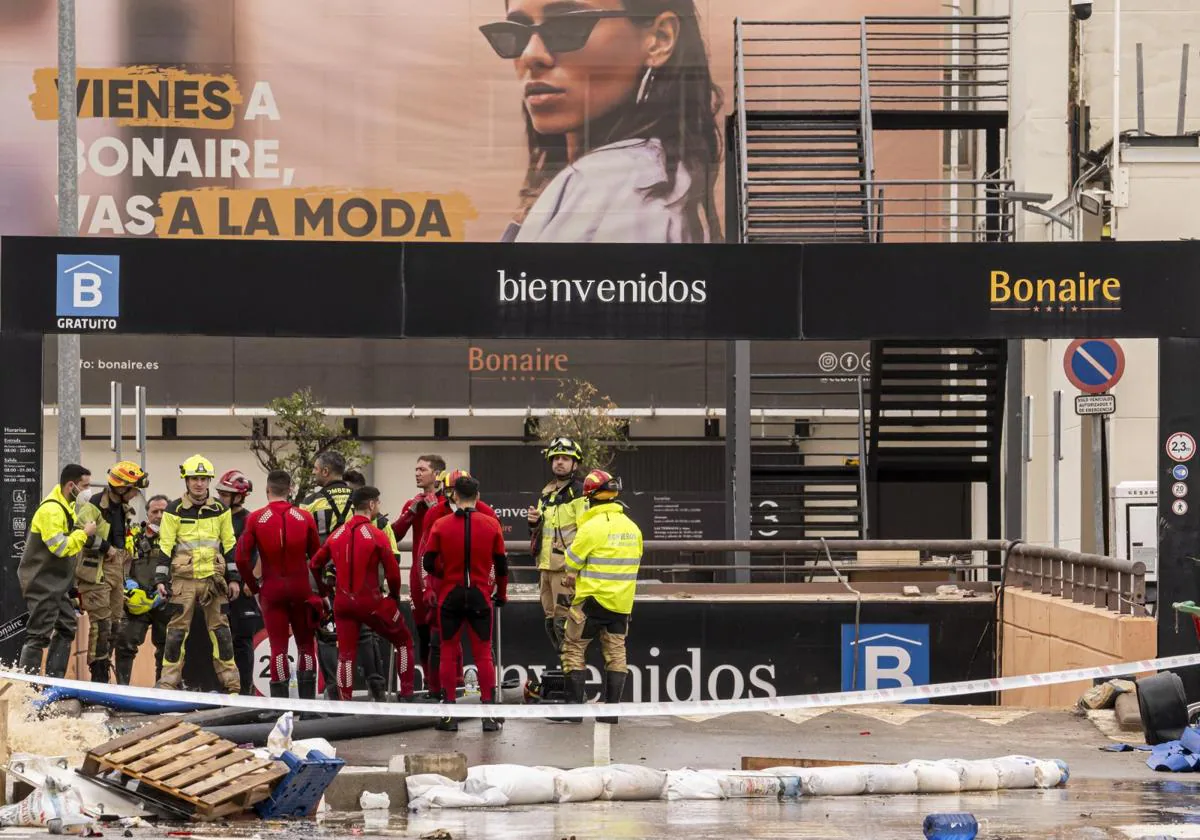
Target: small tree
[[589, 418], [301, 433]]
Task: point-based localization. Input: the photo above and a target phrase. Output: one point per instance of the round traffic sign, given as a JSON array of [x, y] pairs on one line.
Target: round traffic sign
[[1094, 365], [1179, 507], [1179, 489], [1179, 472], [1181, 447]]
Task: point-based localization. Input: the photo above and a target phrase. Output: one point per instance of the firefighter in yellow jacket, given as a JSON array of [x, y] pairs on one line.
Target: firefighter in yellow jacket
[[47, 574], [100, 575], [196, 571], [602, 565], [552, 523]]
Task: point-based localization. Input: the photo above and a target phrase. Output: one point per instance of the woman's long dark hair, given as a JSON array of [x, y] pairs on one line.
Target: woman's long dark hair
[[680, 111]]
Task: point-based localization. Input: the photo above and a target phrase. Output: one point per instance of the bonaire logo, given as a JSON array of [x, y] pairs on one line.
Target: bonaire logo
[[88, 291], [1061, 295]]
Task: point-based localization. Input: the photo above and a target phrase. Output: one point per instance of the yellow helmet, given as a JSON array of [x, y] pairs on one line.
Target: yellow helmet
[[128, 474], [197, 467], [137, 602]]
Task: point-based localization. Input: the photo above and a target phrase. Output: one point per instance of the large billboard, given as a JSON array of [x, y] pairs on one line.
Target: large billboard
[[525, 121]]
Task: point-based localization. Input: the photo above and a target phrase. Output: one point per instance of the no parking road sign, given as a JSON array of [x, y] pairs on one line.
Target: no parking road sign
[[1094, 365]]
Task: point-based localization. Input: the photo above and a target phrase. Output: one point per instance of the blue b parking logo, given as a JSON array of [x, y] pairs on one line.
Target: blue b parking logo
[[889, 656], [89, 285]]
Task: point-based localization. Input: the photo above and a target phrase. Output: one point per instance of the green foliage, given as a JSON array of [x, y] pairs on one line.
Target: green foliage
[[589, 418], [297, 434]]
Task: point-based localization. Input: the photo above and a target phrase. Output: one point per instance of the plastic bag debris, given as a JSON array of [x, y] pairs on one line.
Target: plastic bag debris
[[280, 739], [54, 806], [419, 784], [369, 801]]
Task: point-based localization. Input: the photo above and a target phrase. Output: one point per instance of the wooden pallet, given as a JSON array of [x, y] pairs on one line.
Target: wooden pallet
[[185, 770]]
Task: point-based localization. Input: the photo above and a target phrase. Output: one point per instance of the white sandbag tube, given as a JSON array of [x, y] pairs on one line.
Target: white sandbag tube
[[633, 783], [419, 783], [749, 785], [973, 776], [688, 784], [583, 784], [888, 778], [520, 785], [834, 781], [933, 777]]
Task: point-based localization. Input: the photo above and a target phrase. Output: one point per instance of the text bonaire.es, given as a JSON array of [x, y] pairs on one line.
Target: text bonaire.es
[[1101, 291], [660, 289]]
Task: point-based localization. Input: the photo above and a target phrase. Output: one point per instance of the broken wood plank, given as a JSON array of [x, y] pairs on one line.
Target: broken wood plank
[[141, 748], [190, 761], [247, 785], [91, 762], [754, 762], [208, 768], [225, 776], [170, 753]]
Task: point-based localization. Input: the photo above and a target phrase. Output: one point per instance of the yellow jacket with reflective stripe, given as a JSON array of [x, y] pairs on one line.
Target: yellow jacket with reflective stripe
[[196, 541], [555, 531], [605, 557], [92, 506], [330, 516], [52, 524]]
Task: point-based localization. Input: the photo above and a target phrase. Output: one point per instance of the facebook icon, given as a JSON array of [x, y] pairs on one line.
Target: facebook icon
[[89, 285], [889, 656]]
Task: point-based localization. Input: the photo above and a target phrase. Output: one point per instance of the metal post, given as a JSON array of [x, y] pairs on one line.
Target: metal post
[[139, 421], [1141, 92], [114, 435], [1014, 443], [69, 419], [741, 454], [1098, 496], [862, 461], [1119, 184], [1183, 86], [1054, 500]]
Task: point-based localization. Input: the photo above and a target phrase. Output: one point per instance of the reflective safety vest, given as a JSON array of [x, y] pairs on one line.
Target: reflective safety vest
[[330, 507], [560, 509], [605, 557], [93, 506], [52, 540], [196, 541]]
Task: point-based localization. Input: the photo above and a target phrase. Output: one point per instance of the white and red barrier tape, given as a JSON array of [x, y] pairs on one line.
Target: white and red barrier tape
[[681, 708]]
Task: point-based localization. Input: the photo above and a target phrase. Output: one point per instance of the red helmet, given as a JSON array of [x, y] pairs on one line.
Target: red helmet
[[235, 481], [601, 486], [452, 477]]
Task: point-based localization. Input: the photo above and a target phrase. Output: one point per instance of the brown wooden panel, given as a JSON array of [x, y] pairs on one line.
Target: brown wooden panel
[[204, 770], [189, 761], [169, 753], [226, 775], [246, 785], [141, 748]]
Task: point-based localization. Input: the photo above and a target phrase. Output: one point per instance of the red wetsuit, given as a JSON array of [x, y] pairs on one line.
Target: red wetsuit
[[358, 550], [412, 516], [429, 590], [465, 554], [285, 538]]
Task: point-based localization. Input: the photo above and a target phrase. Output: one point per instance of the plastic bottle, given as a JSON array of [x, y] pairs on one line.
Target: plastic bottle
[[950, 827]]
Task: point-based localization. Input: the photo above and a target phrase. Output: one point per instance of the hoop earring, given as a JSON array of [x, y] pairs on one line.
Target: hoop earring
[[644, 89]]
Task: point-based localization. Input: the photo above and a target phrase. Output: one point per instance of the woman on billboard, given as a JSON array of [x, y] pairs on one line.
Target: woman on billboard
[[620, 113]]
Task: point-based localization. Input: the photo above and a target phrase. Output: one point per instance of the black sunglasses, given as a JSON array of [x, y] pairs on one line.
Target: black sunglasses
[[560, 33]]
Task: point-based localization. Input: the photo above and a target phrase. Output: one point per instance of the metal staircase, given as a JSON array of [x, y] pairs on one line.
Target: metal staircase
[[806, 179], [937, 411]]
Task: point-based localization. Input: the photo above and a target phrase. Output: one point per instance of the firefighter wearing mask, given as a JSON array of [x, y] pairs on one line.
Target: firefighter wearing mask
[[100, 575], [145, 609], [552, 524], [47, 574], [602, 565], [196, 571], [245, 620]]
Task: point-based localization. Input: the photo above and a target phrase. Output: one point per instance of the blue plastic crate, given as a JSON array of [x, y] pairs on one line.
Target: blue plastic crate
[[300, 791]]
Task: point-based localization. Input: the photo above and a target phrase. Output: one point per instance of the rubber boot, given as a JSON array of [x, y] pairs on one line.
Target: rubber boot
[[377, 689], [446, 724], [576, 686], [99, 670], [280, 689], [31, 659], [614, 685], [306, 685], [123, 670], [552, 633], [492, 724], [58, 655]]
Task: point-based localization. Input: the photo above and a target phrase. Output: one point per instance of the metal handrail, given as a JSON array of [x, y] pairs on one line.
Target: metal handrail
[[868, 131], [743, 161]]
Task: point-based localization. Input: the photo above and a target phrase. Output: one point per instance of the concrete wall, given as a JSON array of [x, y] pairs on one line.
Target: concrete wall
[[1042, 633]]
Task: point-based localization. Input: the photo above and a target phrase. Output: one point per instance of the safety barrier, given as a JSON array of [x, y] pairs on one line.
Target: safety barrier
[[680, 708], [1107, 582]]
